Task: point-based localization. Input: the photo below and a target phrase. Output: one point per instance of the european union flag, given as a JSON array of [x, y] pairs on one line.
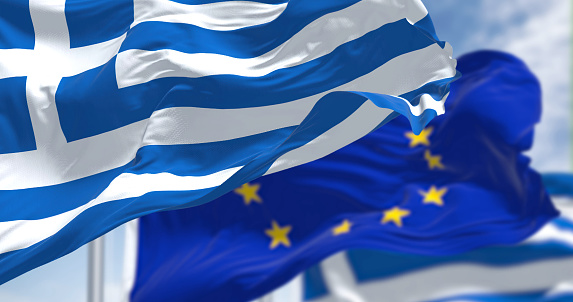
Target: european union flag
[[537, 270], [462, 183]]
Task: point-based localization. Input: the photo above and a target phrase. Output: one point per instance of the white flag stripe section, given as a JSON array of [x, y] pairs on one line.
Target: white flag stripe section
[[317, 39], [339, 278], [21, 234], [171, 126], [221, 16], [24, 233], [552, 233], [364, 120], [116, 148], [50, 29], [62, 63], [191, 125], [63, 163], [360, 123], [457, 279], [15, 62]]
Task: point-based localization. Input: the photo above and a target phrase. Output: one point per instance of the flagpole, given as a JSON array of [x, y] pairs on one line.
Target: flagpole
[[95, 270]]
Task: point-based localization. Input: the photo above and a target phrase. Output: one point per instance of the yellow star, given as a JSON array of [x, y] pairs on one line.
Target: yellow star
[[342, 228], [420, 139], [434, 161], [279, 235], [434, 195], [249, 193], [395, 215]]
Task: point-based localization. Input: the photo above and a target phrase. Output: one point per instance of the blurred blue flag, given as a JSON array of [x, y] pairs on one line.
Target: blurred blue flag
[[461, 184], [538, 270]]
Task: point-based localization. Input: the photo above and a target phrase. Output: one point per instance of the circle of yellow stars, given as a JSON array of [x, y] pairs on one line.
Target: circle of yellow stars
[[434, 195], [434, 161], [279, 235]]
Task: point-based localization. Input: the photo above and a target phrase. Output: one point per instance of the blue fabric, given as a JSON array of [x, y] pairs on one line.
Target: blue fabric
[[221, 251], [520, 297], [91, 103], [16, 28], [559, 183], [16, 133], [91, 24], [370, 265], [380, 266]]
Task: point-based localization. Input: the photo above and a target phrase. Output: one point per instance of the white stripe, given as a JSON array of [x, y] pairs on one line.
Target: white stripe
[[222, 16], [458, 279], [78, 159], [317, 39], [360, 123], [551, 233], [292, 291], [200, 125], [15, 62], [339, 279], [56, 63], [190, 125], [564, 205], [50, 26], [51, 41], [21, 234]]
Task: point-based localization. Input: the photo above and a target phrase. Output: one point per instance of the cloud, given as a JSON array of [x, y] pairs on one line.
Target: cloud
[[539, 33]]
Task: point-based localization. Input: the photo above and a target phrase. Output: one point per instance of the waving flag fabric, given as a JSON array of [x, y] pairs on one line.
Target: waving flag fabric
[[538, 270], [560, 184], [461, 184], [113, 109]]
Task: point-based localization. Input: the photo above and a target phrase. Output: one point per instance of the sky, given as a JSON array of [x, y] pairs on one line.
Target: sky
[[536, 31]]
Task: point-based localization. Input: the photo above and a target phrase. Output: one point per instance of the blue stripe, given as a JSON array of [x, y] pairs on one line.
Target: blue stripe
[[254, 41], [322, 117], [89, 225], [90, 103], [257, 152], [184, 160], [16, 132], [558, 183], [314, 285], [53, 200], [98, 220], [92, 22], [16, 28], [371, 265], [427, 26], [563, 224], [207, 158]]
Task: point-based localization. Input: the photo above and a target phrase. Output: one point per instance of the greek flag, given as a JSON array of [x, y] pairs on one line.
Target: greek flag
[[113, 109]]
